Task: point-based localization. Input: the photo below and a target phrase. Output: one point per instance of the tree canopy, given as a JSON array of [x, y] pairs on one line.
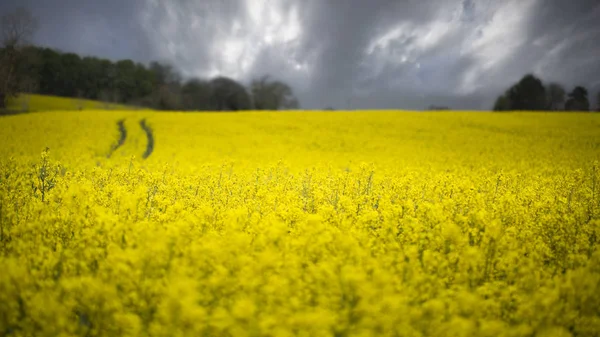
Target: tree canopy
[[157, 85], [530, 94], [502, 103], [556, 96], [271, 94], [228, 95], [578, 100]]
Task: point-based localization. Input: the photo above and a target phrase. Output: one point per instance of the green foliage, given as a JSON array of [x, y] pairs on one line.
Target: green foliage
[[272, 95], [157, 86], [556, 96], [502, 104], [228, 95], [125, 81], [50, 72], [45, 178], [196, 95], [16, 72], [528, 94], [578, 100]]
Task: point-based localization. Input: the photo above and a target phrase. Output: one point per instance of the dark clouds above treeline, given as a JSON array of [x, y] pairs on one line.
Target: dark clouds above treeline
[[405, 54]]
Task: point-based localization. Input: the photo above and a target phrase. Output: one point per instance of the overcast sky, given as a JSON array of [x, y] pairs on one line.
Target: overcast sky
[[405, 54]]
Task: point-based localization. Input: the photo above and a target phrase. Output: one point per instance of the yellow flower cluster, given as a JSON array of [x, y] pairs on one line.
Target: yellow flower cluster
[[300, 224]]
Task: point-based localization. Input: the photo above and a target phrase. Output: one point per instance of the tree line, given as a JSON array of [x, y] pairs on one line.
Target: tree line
[[530, 94], [30, 69]]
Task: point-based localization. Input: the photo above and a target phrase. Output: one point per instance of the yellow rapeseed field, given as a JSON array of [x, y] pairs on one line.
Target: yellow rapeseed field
[[137, 223]]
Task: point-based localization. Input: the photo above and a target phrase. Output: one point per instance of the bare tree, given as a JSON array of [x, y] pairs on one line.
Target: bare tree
[[18, 27], [16, 30]]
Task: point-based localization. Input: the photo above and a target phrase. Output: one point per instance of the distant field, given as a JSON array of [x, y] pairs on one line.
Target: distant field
[[299, 224], [33, 102]]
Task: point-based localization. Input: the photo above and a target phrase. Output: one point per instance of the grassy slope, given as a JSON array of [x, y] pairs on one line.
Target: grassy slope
[[33, 102]]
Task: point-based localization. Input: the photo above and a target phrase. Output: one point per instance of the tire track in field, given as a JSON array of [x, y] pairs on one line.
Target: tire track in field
[[122, 137], [150, 136]]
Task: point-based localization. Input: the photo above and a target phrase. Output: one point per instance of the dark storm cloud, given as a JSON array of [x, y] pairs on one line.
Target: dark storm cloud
[[331, 46], [107, 28], [354, 53], [342, 33], [566, 36]]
